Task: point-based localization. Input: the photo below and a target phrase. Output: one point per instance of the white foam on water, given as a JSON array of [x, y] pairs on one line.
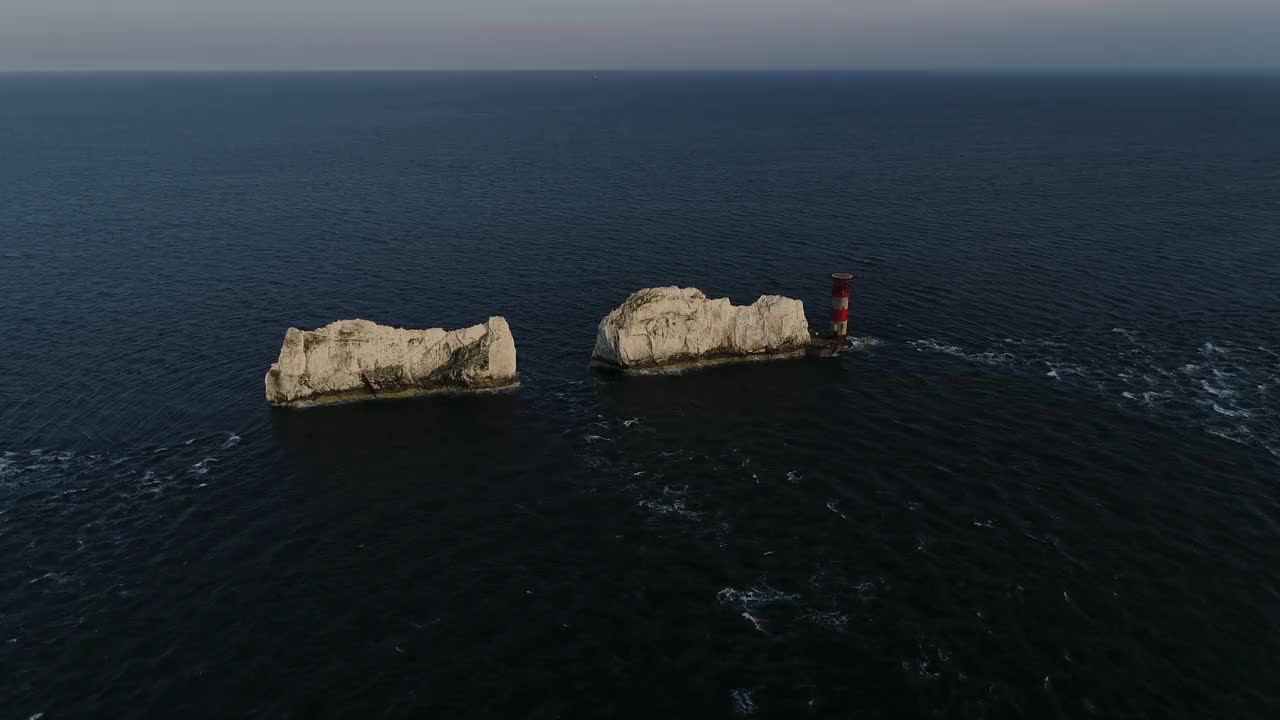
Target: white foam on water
[[932, 344], [868, 589], [929, 662], [989, 357], [134, 467], [861, 343], [1216, 391], [1228, 381], [833, 620], [1231, 413], [1146, 397], [754, 597], [53, 577], [743, 704], [755, 621], [597, 438], [921, 667], [793, 476], [202, 467], [675, 507], [151, 483], [135, 472], [833, 506], [994, 358]]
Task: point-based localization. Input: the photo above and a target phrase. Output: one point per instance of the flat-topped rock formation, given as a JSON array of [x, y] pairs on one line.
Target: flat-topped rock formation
[[671, 328], [359, 360]]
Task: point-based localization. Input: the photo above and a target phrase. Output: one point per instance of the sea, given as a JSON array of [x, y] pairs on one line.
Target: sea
[[1049, 489]]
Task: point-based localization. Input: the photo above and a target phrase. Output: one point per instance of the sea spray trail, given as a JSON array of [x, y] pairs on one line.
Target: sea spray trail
[[1225, 388]]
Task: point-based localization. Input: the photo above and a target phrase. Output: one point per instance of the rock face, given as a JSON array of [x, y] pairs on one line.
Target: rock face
[[357, 360], [674, 328]]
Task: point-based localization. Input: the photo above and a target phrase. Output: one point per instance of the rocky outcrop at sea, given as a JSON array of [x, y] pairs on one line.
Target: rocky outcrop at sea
[[358, 360], [671, 328]]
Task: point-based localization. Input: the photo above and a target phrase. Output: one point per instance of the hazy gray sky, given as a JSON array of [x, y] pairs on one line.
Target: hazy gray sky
[[495, 34]]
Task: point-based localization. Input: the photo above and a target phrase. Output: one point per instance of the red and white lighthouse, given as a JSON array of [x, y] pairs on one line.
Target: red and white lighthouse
[[841, 284]]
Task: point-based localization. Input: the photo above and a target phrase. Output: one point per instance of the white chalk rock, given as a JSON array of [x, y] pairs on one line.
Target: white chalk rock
[[673, 328], [357, 360]]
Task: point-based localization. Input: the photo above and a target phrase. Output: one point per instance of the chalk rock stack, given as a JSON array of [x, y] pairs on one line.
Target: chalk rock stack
[[671, 328], [357, 359]]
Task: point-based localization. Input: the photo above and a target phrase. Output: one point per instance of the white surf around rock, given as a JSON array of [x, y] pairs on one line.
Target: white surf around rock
[[671, 328], [352, 360]]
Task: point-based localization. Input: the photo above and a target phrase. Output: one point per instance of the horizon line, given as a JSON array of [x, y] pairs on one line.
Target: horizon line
[[986, 70]]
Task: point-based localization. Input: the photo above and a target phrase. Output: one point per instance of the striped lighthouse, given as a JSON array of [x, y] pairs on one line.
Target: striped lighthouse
[[840, 286]]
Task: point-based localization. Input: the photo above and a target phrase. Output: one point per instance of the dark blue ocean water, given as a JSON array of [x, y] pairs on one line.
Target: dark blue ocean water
[[1053, 490]]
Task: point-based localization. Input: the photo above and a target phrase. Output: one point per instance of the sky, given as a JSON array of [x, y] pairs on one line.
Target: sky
[[639, 34]]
